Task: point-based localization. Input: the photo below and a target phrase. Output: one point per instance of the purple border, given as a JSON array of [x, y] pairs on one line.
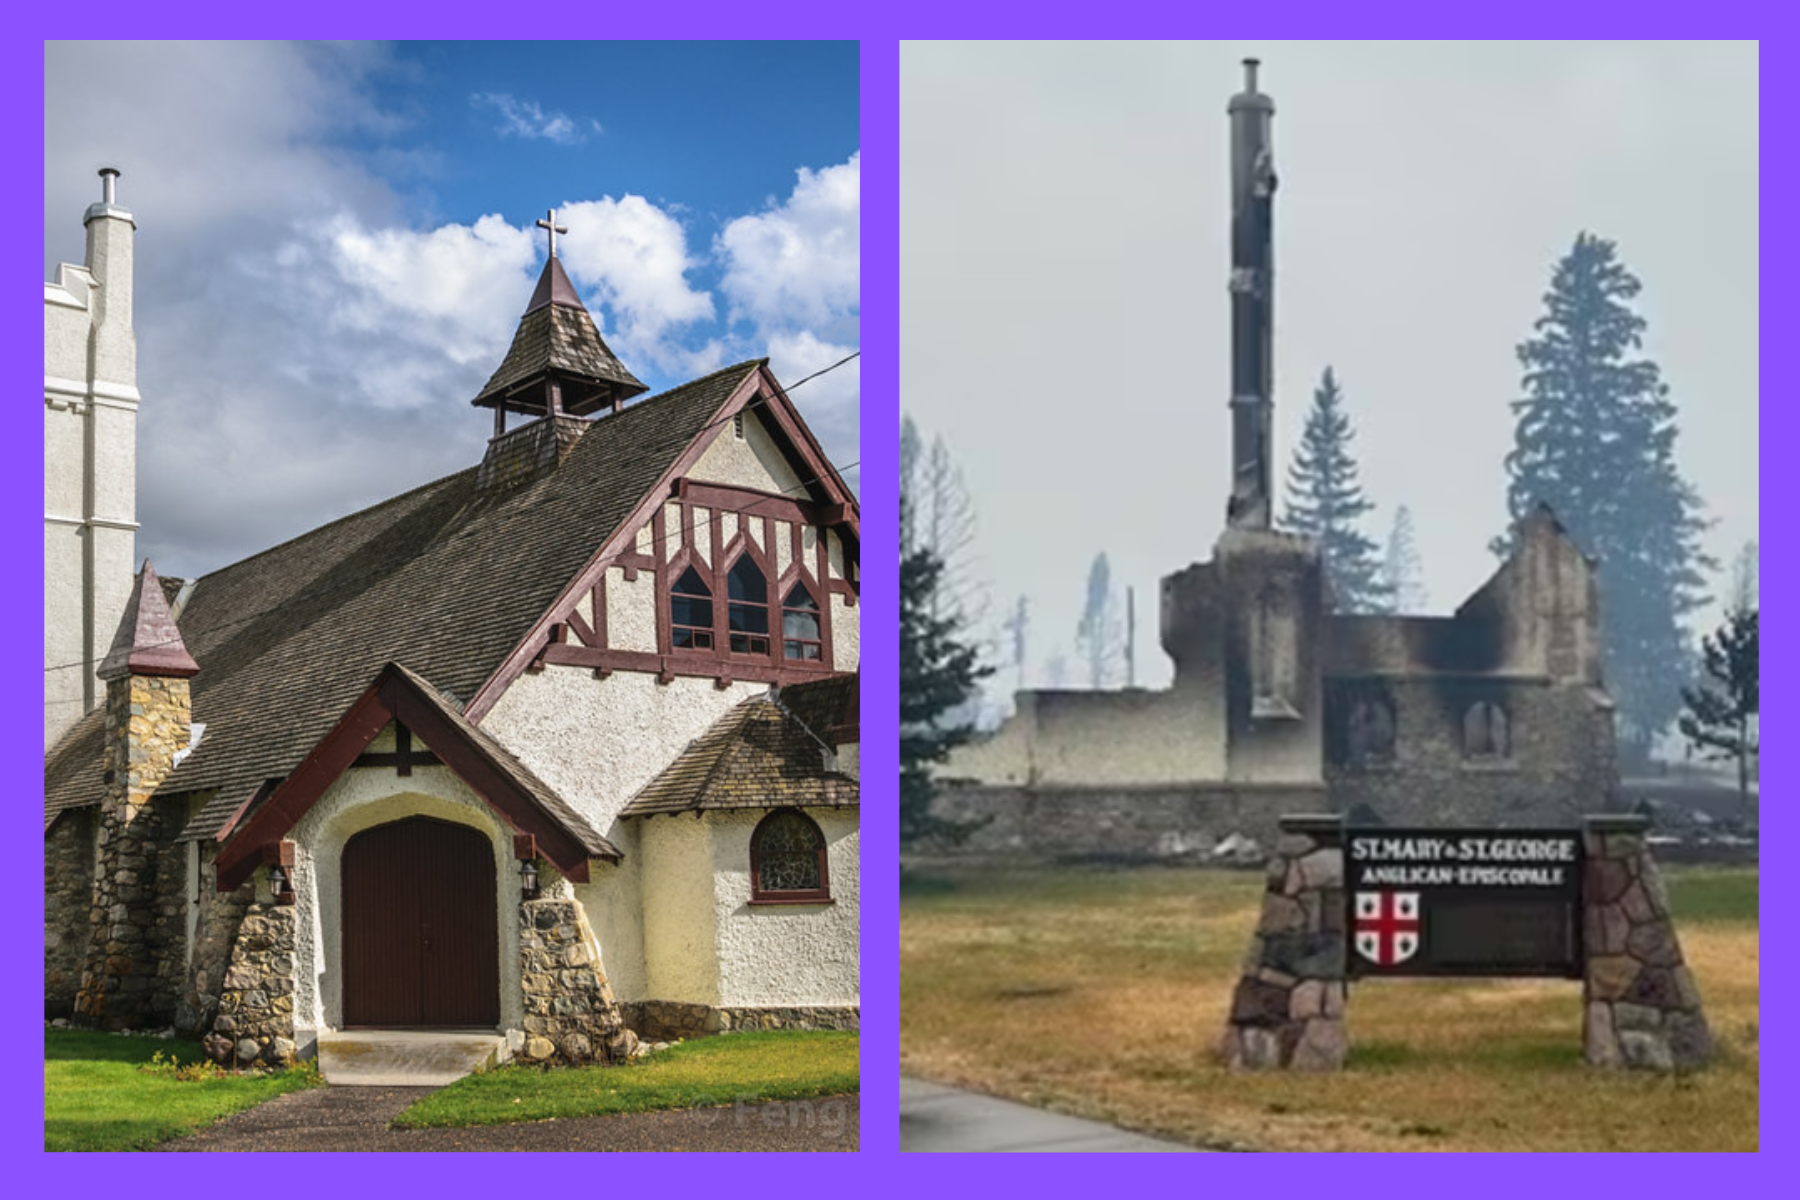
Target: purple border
[[880, 383]]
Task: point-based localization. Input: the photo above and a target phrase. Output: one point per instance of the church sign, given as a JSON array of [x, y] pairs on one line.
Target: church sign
[[1463, 902]]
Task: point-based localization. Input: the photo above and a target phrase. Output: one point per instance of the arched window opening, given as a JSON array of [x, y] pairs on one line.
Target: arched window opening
[[749, 608], [1371, 731], [691, 612], [1486, 731], [787, 859], [800, 636]]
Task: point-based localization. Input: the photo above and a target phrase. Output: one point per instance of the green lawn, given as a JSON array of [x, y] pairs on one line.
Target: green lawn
[[738, 1068], [96, 1098]]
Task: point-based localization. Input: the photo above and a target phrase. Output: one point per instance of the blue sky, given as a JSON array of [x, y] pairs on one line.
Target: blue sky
[[336, 241]]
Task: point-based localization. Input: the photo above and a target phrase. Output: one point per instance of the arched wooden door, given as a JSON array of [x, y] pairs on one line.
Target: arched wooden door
[[421, 940]]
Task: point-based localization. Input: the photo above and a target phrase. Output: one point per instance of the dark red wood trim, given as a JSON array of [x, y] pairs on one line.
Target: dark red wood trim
[[582, 630], [402, 763], [524, 847], [393, 697], [620, 545], [631, 562], [464, 757], [665, 639], [329, 759], [616, 545], [599, 594], [261, 790], [767, 902], [748, 668]]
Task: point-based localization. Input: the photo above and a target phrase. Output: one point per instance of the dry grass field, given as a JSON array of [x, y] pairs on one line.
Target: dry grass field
[[1103, 993]]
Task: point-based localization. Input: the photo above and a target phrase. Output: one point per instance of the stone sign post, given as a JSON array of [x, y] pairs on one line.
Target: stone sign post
[[1362, 904]]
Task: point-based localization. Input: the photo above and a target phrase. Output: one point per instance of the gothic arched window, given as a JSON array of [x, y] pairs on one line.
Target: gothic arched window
[[1371, 731], [787, 859], [749, 607], [800, 636], [1486, 731], [691, 612]]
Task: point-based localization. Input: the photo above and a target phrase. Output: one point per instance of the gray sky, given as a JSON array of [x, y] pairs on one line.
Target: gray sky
[[1064, 319]]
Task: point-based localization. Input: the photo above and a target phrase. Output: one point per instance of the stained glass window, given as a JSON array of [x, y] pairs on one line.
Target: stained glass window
[[787, 858]]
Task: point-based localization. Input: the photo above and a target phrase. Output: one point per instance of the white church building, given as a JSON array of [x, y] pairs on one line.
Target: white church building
[[560, 748]]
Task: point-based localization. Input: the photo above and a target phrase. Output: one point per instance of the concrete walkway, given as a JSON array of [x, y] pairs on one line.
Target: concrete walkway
[[937, 1119]]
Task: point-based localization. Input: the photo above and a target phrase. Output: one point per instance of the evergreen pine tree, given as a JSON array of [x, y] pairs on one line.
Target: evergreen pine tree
[[1595, 441], [1326, 501], [939, 674], [1402, 571], [1722, 713]]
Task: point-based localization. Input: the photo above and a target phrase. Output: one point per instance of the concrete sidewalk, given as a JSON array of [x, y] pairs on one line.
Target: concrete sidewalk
[[941, 1120]]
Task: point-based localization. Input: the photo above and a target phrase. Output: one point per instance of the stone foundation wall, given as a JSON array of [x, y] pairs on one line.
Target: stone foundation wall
[[1288, 1008], [256, 1005], [1643, 1007], [68, 905], [666, 1020], [1147, 825], [570, 1014]]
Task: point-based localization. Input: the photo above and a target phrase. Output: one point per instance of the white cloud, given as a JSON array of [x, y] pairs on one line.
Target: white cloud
[[527, 119], [799, 261], [633, 258]]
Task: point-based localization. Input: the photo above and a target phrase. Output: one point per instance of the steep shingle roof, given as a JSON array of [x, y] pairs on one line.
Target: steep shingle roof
[[557, 337], [446, 578], [758, 755]]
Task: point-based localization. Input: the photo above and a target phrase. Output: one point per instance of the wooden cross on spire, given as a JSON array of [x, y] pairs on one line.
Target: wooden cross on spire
[[549, 222]]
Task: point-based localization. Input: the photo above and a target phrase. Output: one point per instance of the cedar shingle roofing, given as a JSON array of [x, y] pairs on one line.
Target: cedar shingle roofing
[[445, 578], [558, 336], [759, 755]]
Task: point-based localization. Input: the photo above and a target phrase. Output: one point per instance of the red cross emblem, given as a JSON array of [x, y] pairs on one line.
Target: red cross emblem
[[1387, 926]]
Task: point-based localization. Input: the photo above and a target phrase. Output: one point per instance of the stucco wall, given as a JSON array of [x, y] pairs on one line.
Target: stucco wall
[[754, 462], [786, 954], [612, 899], [597, 741], [681, 934], [1099, 739], [360, 799], [630, 611]]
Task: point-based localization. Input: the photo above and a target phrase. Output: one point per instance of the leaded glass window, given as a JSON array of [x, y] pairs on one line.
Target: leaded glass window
[[787, 858]]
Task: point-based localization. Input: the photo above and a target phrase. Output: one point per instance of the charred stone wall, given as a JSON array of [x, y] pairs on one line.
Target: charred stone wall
[[1173, 824], [1558, 762]]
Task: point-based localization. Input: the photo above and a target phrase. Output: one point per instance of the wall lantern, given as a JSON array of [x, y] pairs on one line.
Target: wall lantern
[[280, 860], [525, 850]]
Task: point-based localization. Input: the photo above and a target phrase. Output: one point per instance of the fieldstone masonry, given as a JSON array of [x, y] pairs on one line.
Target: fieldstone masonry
[[1288, 1009], [570, 1014], [1643, 1008], [666, 1020], [256, 1004], [146, 723]]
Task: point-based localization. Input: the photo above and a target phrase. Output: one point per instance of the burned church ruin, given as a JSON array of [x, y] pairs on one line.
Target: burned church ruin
[[1495, 715]]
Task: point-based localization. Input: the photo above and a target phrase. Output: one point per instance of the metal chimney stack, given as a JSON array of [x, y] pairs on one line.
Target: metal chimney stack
[[1252, 304]]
